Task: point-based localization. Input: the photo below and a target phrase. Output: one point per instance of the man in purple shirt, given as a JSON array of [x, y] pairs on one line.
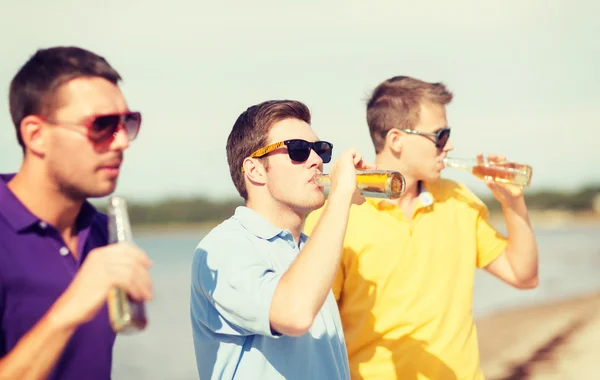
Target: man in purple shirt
[[56, 269]]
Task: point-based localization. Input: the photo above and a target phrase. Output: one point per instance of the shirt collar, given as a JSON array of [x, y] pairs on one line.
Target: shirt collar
[[20, 218], [425, 196], [259, 226]]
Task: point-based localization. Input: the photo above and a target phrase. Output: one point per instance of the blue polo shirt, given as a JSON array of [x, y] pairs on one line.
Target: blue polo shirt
[[235, 272], [35, 269]]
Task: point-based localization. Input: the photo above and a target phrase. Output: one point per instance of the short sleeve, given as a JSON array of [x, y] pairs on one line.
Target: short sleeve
[[232, 287], [490, 243]]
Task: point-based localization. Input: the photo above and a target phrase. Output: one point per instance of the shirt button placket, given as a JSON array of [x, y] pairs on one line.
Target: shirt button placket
[[64, 251]]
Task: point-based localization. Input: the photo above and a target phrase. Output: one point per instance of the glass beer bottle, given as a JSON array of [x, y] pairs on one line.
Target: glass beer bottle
[[510, 173], [373, 183], [126, 315]]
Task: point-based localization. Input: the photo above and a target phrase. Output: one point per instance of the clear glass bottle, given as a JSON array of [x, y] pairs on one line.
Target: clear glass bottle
[[373, 183], [510, 173], [126, 315]]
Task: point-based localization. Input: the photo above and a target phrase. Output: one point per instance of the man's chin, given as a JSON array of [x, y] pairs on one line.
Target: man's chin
[[319, 204], [314, 204], [434, 176], [102, 191]]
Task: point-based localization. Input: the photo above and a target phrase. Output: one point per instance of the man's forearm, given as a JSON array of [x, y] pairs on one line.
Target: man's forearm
[[521, 250], [36, 353], [303, 289]]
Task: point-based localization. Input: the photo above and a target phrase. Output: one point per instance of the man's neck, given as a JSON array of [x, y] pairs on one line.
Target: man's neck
[[44, 199], [279, 215]]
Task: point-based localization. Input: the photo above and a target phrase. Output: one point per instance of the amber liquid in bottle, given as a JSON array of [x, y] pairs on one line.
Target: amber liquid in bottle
[[373, 183], [126, 315], [510, 173]]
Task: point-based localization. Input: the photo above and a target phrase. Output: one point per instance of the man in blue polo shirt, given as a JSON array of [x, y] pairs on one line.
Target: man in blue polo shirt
[[261, 304], [73, 124]]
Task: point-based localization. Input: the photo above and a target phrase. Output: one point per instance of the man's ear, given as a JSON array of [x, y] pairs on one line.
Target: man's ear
[[33, 134], [255, 170], [394, 140]]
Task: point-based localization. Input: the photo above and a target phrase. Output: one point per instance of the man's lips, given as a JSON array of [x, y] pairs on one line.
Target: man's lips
[[312, 178], [111, 168]]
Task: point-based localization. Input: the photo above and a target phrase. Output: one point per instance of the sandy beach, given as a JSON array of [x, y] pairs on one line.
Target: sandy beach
[[559, 340]]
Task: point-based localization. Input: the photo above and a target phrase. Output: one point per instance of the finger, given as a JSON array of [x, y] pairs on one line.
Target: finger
[[143, 283], [128, 256], [138, 255], [480, 160], [362, 165], [138, 284], [357, 158], [490, 184], [132, 277], [120, 277], [492, 157]]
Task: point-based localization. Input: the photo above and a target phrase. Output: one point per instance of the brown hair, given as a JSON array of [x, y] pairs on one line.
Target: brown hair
[[396, 103], [250, 133], [33, 89]]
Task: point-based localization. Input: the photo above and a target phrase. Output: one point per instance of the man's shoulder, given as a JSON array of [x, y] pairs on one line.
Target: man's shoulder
[[229, 249], [443, 186], [228, 239], [447, 190], [228, 230]]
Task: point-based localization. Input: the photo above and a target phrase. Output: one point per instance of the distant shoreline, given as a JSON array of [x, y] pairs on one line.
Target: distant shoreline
[[554, 218], [539, 219], [186, 229]]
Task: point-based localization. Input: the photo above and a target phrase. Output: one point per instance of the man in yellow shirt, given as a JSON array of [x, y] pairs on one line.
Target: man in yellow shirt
[[405, 282]]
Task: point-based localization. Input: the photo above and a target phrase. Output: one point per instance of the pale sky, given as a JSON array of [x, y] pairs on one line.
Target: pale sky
[[524, 75]]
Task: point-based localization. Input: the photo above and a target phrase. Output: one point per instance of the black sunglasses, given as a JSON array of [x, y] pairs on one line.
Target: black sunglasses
[[299, 150], [102, 127], [441, 137]]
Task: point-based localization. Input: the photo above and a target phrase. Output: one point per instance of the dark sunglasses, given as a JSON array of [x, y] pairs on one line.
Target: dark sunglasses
[[100, 128], [298, 150], [441, 137]]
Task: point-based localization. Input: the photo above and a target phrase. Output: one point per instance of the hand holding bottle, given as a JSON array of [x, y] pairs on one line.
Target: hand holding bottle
[[506, 192], [496, 169], [343, 174], [127, 314], [116, 265]]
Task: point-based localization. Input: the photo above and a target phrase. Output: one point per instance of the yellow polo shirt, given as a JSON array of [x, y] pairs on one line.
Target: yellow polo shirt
[[405, 287]]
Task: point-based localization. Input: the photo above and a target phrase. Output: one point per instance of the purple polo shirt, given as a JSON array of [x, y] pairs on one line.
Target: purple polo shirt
[[35, 269]]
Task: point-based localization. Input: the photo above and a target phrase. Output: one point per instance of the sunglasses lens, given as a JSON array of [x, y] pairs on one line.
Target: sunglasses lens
[[299, 150], [104, 127], [443, 137], [324, 150], [132, 122]]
